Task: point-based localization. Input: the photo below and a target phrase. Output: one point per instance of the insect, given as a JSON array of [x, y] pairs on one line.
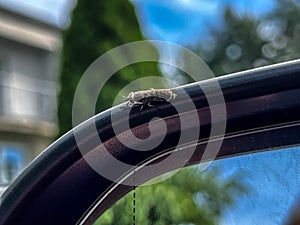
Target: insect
[[147, 97]]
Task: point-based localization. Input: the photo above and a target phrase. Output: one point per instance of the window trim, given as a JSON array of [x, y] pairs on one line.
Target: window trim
[[46, 190]]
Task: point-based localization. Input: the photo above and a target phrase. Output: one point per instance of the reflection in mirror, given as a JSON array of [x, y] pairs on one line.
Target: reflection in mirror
[[251, 189]]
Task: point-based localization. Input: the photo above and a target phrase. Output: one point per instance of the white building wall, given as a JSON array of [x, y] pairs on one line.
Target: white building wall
[[29, 65]]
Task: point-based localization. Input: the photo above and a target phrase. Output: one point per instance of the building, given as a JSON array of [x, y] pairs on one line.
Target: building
[[29, 64]]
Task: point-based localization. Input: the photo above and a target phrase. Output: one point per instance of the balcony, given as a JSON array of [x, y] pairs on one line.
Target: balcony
[[27, 104]]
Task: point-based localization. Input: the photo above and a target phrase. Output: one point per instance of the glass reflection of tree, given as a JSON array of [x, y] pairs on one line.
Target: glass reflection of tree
[[11, 165]]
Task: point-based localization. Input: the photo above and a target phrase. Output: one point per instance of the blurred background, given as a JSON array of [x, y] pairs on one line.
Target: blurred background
[[46, 45]]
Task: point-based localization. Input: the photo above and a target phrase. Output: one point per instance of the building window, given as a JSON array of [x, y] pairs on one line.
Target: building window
[[1, 64], [25, 96], [5, 62], [12, 162]]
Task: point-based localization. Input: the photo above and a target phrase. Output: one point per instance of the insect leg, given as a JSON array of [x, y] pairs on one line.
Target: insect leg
[[149, 104], [128, 106], [143, 104], [124, 107]]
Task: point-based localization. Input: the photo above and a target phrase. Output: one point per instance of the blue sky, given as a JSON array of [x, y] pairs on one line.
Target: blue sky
[[274, 179], [274, 176], [179, 21], [187, 21]]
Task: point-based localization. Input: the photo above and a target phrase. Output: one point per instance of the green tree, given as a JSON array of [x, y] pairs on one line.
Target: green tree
[[97, 27], [189, 197], [247, 42]]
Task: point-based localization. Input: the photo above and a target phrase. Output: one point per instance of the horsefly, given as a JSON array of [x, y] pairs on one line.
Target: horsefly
[[147, 97]]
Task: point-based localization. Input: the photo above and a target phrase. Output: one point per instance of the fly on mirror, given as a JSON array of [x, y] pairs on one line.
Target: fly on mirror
[[142, 98]]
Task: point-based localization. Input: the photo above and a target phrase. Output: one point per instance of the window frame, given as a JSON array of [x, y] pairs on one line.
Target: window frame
[[261, 103]]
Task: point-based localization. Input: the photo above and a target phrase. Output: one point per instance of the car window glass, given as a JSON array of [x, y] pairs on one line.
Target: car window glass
[[257, 188]]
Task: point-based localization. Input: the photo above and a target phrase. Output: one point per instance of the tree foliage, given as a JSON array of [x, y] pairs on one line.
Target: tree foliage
[[247, 42], [189, 197], [97, 27]]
